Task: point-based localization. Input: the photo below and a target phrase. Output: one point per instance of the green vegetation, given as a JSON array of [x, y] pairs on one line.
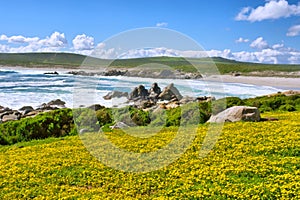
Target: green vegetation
[[57, 123], [60, 123], [75, 60], [249, 161]]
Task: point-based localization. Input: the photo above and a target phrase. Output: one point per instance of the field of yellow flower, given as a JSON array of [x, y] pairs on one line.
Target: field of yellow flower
[[251, 160]]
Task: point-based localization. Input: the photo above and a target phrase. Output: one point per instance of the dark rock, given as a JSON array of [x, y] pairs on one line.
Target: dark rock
[[56, 102], [139, 93], [25, 110], [52, 105], [205, 99], [115, 94], [154, 91], [170, 92], [31, 114], [114, 72], [235, 73], [96, 107], [6, 109], [52, 73]]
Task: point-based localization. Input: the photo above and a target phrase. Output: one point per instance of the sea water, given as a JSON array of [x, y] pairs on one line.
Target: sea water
[[27, 87]]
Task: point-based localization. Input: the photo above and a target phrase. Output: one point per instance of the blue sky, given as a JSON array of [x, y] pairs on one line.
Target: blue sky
[[256, 30]]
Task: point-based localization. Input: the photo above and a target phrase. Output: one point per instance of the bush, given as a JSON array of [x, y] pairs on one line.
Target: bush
[[274, 103], [104, 116], [287, 107], [234, 101], [57, 123]]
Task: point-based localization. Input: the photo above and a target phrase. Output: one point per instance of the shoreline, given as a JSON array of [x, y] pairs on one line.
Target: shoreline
[[277, 82], [283, 83]]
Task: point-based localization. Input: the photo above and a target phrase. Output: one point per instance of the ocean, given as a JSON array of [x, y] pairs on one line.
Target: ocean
[[31, 87]]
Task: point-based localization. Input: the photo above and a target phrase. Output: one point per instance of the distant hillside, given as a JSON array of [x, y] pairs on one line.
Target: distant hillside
[[75, 60]]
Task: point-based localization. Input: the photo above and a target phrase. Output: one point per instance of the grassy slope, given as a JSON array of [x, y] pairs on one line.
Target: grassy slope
[[66, 60], [250, 160]]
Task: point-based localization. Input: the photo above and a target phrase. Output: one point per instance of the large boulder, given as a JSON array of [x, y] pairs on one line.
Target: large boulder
[[237, 113], [10, 116], [57, 102], [169, 93], [154, 91], [52, 105], [139, 93], [26, 109], [115, 94]]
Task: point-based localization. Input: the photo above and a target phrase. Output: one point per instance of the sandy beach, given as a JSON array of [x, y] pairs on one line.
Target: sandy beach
[[278, 82]]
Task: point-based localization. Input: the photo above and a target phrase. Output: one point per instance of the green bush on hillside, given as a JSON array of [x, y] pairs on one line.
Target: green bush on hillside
[[57, 123]]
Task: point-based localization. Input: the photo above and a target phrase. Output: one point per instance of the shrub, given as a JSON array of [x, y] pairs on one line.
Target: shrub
[[287, 107], [57, 123]]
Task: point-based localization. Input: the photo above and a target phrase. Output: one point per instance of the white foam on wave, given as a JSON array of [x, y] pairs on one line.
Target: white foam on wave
[[94, 88]]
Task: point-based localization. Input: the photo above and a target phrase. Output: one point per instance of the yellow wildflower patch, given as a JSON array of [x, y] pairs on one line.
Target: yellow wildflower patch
[[251, 160]]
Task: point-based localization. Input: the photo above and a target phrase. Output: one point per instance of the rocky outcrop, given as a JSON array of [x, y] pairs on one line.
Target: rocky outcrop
[[154, 91], [52, 105], [237, 113], [112, 72], [170, 93], [139, 93], [10, 116], [115, 94], [7, 114], [26, 109], [51, 73]]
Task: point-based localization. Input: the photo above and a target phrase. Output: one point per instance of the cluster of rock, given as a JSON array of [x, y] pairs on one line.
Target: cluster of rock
[[112, 72], [167, 98], [7, 114], [147, 73]]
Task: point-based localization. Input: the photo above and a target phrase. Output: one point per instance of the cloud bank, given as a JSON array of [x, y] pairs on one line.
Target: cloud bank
[[273, 9], [263, 52]]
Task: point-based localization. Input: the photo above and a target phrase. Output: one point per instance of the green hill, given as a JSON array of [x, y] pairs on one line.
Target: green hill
[[74, 60]]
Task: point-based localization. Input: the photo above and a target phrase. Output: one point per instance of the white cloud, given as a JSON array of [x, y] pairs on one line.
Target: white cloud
[[259, 43], [18, 39], [161, 24], [242, 40], [293, 31], [273, 9], [55, 40], [277, 46], [83, 42]]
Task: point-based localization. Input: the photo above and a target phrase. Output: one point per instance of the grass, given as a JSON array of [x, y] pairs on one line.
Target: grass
[[251, 160], [74, 60]]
